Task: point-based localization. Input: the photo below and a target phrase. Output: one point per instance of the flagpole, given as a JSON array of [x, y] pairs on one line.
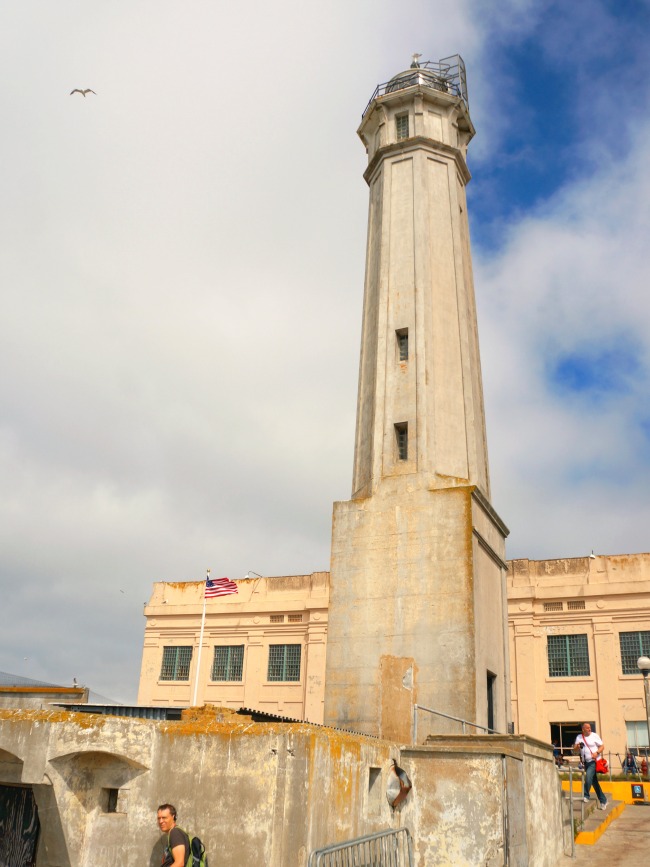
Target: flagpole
[[198, 658]]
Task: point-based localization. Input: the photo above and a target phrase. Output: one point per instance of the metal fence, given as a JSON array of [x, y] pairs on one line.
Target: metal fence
[[569, 818], [447, 75], [383, 849]]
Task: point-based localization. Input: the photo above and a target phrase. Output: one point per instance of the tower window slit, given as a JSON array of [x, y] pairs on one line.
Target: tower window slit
[[402, 441], [403, 344]]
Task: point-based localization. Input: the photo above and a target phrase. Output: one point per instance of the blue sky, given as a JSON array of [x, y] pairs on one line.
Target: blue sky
[[181, 267], [575, 80]]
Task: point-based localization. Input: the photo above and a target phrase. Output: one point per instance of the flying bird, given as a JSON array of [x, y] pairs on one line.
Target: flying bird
[[82, 92]]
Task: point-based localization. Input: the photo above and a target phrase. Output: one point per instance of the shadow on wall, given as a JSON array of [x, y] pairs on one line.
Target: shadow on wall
[[157, 854]]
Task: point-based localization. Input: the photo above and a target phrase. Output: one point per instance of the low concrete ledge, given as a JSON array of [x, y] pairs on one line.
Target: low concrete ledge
[[515, 746], [591, 835], [504, 787]]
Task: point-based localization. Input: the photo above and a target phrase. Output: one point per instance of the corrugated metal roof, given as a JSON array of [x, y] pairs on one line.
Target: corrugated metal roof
[[132, 711], [262, 715]]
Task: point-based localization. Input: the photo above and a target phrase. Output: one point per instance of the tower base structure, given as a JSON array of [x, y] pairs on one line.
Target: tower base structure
[[417, 613]]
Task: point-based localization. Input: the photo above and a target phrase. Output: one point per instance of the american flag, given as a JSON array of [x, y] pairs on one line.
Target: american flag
[[219, 587]]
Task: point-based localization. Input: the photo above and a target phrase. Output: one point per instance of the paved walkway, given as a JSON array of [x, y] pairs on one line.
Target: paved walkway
[[626, 841]]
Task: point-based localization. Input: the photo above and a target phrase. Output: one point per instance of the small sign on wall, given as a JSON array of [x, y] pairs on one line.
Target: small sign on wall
[[637, 792]]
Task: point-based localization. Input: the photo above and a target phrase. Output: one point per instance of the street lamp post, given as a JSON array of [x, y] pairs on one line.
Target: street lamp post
[[643, 664]]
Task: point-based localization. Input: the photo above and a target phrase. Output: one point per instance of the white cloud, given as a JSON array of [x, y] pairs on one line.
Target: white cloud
[[182, 271], [571, 277]]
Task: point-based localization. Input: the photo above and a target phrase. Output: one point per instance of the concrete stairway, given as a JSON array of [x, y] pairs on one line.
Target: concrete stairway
[[596, 821]]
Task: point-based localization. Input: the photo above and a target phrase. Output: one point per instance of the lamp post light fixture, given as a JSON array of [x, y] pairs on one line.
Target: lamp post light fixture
[[643, 664]]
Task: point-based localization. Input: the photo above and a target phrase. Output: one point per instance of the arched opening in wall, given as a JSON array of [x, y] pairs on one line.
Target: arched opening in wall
[[99, 781], [19, 825]]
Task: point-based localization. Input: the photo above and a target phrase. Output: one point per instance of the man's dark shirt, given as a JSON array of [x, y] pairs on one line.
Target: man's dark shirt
[[177, 837]]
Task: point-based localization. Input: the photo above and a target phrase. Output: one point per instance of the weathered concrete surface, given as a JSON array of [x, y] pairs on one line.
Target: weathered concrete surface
[[417, 566], [255, 793], [270, 793], [415, 576], [503, 791], [419, 281]]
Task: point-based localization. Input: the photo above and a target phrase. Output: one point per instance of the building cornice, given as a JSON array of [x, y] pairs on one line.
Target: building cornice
[[487, 507], [489, 550], [418, 142]]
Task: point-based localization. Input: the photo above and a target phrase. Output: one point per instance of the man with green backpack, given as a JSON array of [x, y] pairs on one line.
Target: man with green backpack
[[181, 850]]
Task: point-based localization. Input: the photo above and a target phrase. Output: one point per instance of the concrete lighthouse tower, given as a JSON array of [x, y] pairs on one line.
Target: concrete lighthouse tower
[[418, 607]]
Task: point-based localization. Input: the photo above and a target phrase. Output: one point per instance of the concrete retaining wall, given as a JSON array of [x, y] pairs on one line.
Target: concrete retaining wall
[[269, 793]]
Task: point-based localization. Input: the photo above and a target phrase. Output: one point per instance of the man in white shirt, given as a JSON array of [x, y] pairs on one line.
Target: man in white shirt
[[590, 747]]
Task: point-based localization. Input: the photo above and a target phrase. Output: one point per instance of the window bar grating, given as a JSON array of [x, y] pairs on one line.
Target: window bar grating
[[633, 645], [568, 656], [578, 655], [228, 663], [284, 662], [176, 663]]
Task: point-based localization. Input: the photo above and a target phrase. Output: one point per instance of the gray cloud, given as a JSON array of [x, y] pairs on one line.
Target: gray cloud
[[182, 268]]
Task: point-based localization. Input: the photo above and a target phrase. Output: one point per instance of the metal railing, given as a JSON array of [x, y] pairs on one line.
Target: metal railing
[[635, 772], [393, 848], [464, 723], [446, 75], [570, 800]]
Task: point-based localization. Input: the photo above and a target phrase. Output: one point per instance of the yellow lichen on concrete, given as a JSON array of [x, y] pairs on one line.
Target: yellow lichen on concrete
[[210, 712], [235, 726], [82, 720]]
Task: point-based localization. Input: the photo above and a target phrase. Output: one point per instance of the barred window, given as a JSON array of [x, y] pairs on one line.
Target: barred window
[[277, 618], [295, 618], [284, 662], [402, 126], [553, 606], [568, 656], [633, 645], [228, 663], [176, 663], [576, 604]]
